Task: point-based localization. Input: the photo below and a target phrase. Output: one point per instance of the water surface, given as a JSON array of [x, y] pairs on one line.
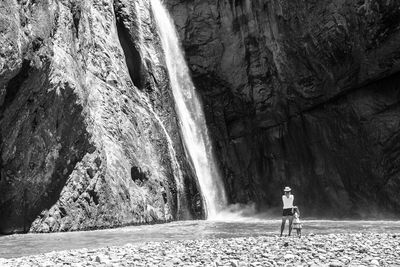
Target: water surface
[[29, 244]]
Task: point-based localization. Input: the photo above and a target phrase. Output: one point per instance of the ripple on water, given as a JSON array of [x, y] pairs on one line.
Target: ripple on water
[[29, 244]]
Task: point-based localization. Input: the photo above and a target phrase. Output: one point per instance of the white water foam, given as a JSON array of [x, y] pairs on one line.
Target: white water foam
[[191, 116]]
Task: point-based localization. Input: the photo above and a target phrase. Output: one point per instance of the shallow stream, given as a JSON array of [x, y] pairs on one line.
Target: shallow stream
[[29, 244]]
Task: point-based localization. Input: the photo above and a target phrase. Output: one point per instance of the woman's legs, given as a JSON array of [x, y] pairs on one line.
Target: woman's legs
[[283, 224], [290, 224]]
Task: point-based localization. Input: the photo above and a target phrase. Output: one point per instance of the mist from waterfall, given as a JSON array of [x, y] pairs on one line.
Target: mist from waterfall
[[191, 115]]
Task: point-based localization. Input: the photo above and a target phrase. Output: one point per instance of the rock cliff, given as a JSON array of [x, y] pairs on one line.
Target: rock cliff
[[89, 136], [301, 93]]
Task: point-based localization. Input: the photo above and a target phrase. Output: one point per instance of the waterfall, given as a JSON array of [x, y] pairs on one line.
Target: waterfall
[[190, 114], [174, 163]]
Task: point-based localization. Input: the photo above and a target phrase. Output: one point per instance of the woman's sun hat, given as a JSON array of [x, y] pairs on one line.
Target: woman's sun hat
[[287, 189]]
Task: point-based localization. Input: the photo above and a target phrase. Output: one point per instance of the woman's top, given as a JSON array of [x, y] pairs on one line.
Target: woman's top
[[287, 201]]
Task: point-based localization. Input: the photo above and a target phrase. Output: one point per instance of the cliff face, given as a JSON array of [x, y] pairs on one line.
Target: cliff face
[[301, 93], [296, 93], [89, 136]]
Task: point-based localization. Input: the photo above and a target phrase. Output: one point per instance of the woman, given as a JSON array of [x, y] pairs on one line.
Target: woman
[[287, 213]]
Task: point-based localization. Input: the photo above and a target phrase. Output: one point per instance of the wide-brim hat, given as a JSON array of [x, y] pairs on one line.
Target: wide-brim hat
[[287, 189]]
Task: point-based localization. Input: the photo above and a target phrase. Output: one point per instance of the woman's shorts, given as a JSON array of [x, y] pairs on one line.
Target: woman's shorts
[[287, 212]]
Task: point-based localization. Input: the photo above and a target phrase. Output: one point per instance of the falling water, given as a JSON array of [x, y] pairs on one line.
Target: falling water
[[190, 113], [174, 162]]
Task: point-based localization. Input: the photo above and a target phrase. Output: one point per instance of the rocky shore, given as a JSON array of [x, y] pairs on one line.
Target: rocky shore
[[358, 249]]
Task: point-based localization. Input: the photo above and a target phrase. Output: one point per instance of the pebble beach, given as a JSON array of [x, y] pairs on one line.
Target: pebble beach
[[358, 249]]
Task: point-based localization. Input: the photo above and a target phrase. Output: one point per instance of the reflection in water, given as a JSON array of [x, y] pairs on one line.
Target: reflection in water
[[28, 244]]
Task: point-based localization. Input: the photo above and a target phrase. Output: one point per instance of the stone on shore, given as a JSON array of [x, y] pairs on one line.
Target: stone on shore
[[333, 250]]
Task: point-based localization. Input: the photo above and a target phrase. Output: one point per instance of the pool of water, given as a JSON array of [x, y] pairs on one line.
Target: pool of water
[[29, 244]]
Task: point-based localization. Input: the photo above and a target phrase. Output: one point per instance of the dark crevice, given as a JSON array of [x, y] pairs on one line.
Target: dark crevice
[[132, 55], [95, 197], [14, 85], [34, 123], [76, 17], [37, 44], [137, 174], [164, 193], [63, 212]]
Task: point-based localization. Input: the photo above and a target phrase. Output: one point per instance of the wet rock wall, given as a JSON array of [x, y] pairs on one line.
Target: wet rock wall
[[300, 93], [89, 136]]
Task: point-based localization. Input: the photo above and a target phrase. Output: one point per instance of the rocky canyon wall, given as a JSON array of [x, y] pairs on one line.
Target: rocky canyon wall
[[301, 93], [89, 136]]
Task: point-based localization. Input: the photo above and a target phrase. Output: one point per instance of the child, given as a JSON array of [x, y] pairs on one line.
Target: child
[[296, 220]]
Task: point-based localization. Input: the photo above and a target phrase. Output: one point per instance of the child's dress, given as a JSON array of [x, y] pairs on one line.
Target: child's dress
[[296, 221]]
